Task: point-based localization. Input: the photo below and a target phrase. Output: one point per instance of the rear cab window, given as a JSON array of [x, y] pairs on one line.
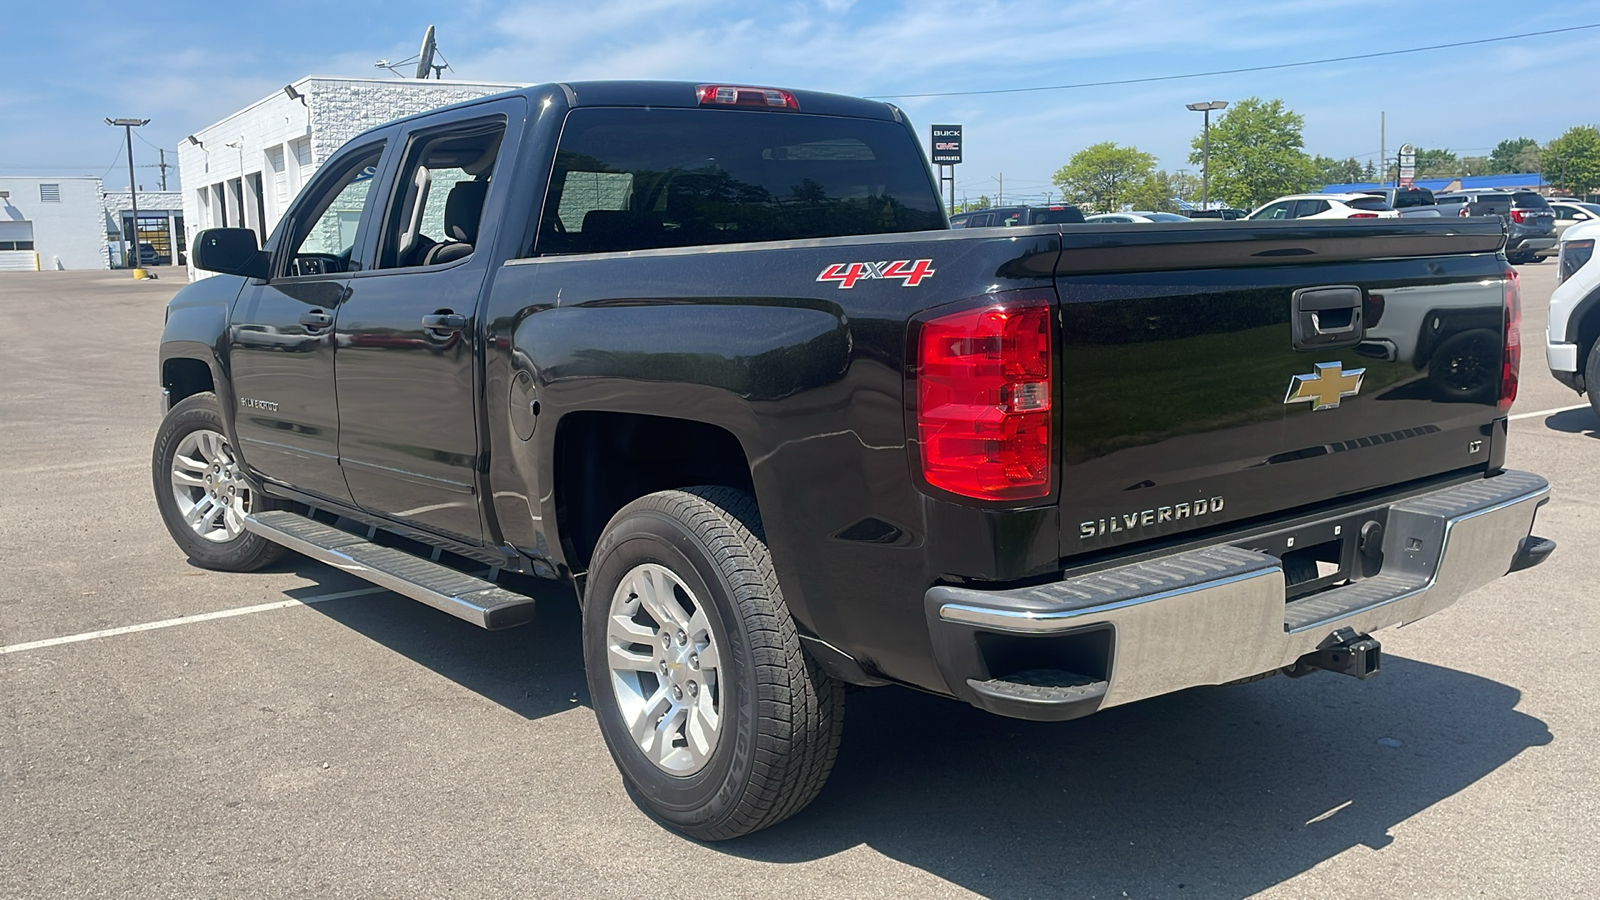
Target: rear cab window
[[639, 179], [1413, 197]]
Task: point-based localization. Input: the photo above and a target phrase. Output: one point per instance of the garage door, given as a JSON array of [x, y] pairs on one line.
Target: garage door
[[16, 247]]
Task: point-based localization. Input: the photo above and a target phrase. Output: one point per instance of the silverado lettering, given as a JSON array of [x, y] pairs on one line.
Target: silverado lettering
[[1161, 515]]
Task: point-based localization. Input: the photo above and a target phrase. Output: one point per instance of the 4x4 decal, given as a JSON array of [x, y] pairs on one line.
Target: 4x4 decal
[[910, 271]]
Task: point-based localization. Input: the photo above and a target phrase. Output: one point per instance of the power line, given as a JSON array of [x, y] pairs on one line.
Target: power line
[[84, 168], [1309, 62]]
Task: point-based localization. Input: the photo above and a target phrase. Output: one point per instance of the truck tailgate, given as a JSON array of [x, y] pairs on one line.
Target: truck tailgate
[[1188, 400]]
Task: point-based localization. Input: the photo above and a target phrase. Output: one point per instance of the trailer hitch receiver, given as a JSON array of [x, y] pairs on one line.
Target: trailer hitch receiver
[[1345, 652]]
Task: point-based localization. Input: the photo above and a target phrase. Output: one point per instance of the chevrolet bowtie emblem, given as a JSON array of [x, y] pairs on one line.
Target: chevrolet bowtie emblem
[[1325, 387]]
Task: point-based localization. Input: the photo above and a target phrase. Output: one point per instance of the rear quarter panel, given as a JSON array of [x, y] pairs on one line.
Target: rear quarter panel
[[806, 374]]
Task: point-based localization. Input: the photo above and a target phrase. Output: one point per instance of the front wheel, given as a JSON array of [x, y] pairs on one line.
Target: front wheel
[[719, 722], [201, 490], [1591, 378]]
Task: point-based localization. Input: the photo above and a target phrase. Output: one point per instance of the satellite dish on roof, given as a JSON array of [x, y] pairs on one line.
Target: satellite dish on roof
[[425, 55]]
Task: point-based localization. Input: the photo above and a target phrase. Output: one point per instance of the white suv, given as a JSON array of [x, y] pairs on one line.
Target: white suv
[[1326, 206], [1572, 341]]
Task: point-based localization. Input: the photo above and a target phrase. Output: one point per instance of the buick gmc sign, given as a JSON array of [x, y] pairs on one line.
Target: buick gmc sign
[[946, 145]]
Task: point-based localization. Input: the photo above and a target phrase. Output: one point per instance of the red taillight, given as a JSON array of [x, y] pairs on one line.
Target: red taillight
[[1519, 215], [1462, 212], [743, 95], [1512, 357], [1362, 216], [983, 387]]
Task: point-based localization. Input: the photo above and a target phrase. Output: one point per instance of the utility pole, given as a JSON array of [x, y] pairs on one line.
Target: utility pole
[[1383, 148], [1205, 148], [163, 167], [128, 125], [1000, 200]]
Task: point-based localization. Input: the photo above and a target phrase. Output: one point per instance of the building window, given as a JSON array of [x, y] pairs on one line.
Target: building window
[[50, 193], [16, 245]]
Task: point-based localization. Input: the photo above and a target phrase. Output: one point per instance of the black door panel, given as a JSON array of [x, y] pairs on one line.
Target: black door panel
[[288, 417], [409, 437]]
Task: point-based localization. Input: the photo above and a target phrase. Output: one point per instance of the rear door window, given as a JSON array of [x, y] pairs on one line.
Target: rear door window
[[638, 179], [1305, 208]]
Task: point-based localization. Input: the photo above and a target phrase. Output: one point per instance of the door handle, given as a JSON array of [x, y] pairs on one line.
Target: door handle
[[1326, 318], [444, 321], [316, 318]]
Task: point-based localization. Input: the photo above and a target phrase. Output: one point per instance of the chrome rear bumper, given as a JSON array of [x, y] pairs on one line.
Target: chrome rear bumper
[[1218, 614]]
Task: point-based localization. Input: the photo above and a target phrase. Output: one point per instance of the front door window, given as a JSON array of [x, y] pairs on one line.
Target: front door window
[[325, 243]]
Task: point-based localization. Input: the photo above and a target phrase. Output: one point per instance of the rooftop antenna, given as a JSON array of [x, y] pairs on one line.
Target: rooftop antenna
[[424, 60], [425, 55]]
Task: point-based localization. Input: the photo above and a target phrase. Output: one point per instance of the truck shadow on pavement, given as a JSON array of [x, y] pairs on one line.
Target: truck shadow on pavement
[[1214, 792], [534, 671], [1575, 421]]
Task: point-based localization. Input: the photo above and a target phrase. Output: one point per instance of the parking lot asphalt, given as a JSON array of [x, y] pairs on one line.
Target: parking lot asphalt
[[362, 745]]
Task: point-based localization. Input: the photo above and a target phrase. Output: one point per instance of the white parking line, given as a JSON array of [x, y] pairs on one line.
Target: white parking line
[[186, 620], [1548, 412]]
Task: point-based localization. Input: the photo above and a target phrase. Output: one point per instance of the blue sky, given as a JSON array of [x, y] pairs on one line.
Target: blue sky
[[184, 65]]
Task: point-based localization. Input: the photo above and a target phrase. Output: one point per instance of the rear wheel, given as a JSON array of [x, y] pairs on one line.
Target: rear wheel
[[202, 493], [718, 721], [1466, 367]]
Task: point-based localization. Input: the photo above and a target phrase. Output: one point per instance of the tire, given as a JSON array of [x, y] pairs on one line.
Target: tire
[[725, 747], [1591, 378], [1466, 367], [201, 491]]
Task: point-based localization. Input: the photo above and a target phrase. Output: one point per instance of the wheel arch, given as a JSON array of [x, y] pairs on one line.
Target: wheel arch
[[185, 376], [605, 460], [1583, 323]]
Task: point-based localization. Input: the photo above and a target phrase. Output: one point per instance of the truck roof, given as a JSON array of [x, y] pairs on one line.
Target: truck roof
[[674, 95]]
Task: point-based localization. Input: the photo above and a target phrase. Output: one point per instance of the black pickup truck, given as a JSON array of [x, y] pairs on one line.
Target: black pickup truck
[[711, 355]]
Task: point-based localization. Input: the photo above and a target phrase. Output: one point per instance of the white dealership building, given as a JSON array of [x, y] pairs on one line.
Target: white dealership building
[[71, 222], [246, 169]]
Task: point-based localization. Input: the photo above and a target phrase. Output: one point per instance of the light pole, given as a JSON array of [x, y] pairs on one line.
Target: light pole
[[128, 125], [1205, 152]]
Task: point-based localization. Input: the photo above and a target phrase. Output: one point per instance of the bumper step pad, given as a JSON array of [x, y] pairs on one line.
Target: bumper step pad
[[1042, 694], [481, 602]]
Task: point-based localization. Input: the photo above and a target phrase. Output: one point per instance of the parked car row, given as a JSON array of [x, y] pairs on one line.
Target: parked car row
[[1532, 223]]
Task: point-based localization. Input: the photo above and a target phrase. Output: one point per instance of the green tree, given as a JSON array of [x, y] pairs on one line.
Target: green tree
[[983, 202], [1531, 159], [1506, 156], [1573, 160], [1158, 193], [1436, 163], [1102, 177], [1474, 165], [1336, 171], [1257, 153], [1185, 184]]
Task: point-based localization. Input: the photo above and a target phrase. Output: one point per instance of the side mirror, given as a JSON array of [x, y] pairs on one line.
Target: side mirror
[[231, 251], [1581, 217]]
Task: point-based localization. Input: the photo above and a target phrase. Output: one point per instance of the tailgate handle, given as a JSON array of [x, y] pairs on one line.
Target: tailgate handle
[[1327, 317]]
